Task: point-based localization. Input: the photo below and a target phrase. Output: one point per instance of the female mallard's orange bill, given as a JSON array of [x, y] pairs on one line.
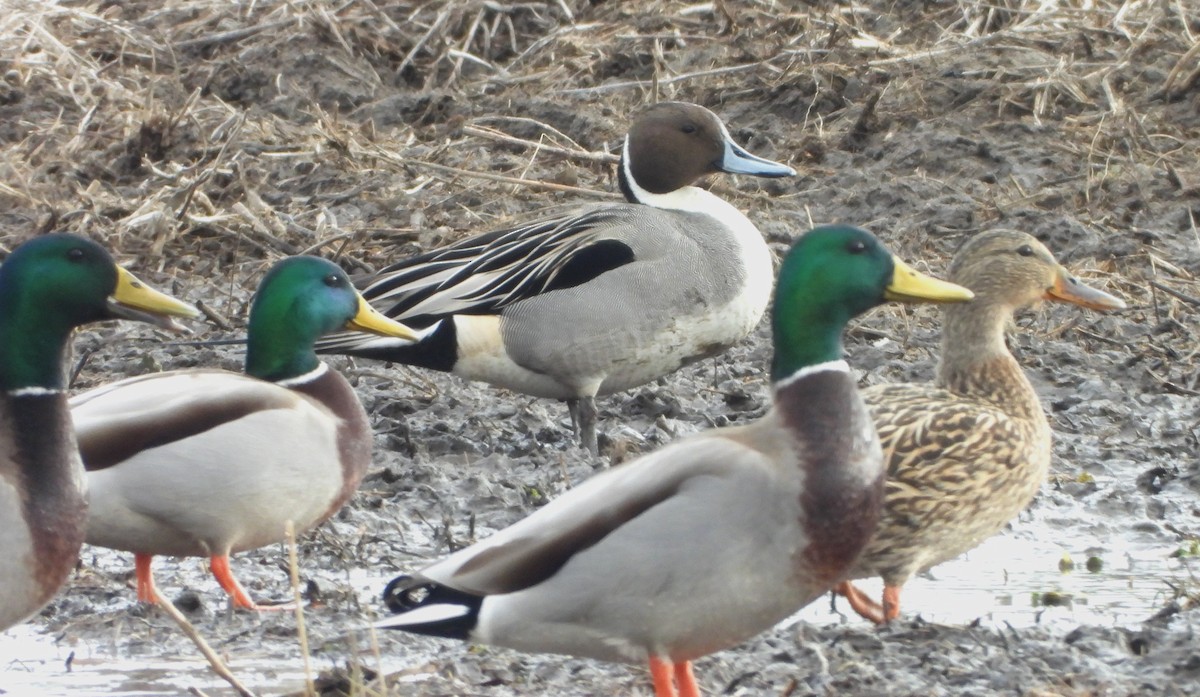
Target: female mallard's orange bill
[[1069, 289]]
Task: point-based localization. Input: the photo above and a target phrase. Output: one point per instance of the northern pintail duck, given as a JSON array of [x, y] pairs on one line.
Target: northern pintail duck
[[48, 287], [967, 453], [579, 305], [714, 538], [209, 462]]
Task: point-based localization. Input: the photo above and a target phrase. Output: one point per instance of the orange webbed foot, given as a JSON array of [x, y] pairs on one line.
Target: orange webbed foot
[[861, 604]]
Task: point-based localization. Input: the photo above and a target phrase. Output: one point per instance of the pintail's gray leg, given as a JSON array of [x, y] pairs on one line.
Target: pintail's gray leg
[[583, 420]]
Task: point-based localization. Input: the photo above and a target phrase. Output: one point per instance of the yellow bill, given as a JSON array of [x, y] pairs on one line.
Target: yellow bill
[[911, 286], [372, 321], [135, 300]]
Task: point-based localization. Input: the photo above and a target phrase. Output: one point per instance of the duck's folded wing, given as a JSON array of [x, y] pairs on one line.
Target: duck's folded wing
[[937, 444], [486, 273], [117, 421], [533, 549]]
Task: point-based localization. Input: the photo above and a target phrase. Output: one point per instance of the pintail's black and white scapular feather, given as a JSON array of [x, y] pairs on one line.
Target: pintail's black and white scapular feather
[[708, 541], [489, 272], [580, 304]]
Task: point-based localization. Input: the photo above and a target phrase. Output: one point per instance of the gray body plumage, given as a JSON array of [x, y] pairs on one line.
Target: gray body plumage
[[571, 306], [636, 322], [686, 551]]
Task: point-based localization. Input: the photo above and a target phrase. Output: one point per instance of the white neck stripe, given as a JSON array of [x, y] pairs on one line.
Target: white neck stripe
[[693, 199], [639, 194], [306, 378], [839, 365], [33, 392]]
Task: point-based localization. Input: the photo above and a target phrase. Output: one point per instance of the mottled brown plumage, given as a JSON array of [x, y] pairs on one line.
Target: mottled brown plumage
[[967, 454]]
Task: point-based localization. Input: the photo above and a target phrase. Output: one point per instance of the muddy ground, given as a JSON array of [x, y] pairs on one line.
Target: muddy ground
[[203, 140]]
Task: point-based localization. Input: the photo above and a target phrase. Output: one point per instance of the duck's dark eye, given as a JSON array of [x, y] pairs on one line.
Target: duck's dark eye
[[333, 280], [1025, 250], [75, 254], [856, 246], [688, 128]]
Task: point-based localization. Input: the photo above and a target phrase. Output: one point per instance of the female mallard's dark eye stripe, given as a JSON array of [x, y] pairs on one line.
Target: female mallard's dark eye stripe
[[1025, 250]]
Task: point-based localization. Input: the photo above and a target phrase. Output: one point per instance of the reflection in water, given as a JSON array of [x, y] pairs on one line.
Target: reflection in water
[[995, 584], [1002, 580]]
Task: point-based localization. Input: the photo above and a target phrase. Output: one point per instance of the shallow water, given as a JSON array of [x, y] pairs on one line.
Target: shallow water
[[32, 663], [995, 584], [1002, 582]]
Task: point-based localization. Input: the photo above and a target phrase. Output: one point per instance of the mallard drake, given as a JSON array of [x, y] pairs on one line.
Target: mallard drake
[[48, 286], [578, 305], [967, 453], [210, 462], [714, 538]]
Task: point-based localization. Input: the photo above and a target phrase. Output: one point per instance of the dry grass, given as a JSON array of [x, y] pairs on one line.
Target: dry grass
[[178, 133], [203, 140]]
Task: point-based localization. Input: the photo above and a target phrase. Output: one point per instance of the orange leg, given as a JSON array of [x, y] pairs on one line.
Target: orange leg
[[220, 569], [145, 579], [660, 673], [685, 680], [891, 603], [861, 604]]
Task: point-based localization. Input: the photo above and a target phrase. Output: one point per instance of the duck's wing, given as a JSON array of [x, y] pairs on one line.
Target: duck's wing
[[484, 274], [117, 421], [940, 450], [686, 477]]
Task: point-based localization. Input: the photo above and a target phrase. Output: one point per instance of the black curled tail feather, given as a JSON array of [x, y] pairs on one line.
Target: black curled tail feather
[[436, 351], [405, 594]]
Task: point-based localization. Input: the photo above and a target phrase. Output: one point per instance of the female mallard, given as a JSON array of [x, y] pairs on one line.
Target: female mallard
[[968, 453], [714, 538], [574, 306], [209, 462], [49, 286]]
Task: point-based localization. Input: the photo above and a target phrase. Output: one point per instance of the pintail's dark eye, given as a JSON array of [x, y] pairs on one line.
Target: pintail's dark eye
[[688, 128], [856, 246], [75, 254], [333, 280], [1025, 250]]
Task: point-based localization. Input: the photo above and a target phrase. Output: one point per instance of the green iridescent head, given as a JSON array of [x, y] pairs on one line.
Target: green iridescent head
[[54, 283], [300, 300], [832, 274]]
